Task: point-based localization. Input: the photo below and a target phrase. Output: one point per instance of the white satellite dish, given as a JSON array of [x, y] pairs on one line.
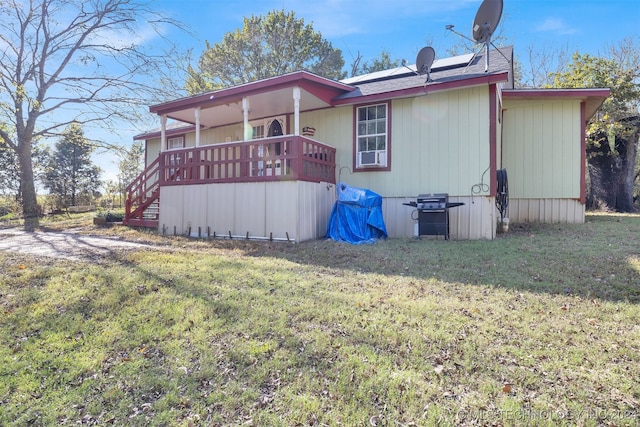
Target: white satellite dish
[[424, 60]]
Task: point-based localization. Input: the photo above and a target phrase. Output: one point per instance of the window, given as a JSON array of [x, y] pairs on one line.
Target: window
[[372, 136], [258, 132], [175, 142]]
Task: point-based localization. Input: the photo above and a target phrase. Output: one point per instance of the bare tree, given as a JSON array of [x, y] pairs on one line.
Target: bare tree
[[65, 61], [543, 63]]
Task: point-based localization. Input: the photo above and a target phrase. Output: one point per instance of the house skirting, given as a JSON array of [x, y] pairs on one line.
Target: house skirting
[[546, 210], [299, 211], [476, 219], [290, 210]]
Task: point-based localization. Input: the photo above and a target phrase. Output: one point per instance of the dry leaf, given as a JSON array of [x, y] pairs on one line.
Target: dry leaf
[[507, 388]]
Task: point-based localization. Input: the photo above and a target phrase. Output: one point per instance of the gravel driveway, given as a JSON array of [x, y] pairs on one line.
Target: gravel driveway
[[65, 245]]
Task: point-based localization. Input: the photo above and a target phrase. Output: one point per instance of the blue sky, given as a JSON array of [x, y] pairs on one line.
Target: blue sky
[[403, 27]]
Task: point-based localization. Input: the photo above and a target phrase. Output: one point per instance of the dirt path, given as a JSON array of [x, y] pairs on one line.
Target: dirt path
[[65, 245]]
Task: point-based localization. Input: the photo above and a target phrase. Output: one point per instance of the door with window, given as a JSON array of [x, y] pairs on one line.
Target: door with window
[[268, 128]]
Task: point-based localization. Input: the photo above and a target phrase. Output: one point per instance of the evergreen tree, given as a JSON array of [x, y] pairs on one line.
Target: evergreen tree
[[71, 175]]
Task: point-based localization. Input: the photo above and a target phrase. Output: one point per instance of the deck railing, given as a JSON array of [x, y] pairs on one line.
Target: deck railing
[[142, 193], [270, 159], [282, 158]]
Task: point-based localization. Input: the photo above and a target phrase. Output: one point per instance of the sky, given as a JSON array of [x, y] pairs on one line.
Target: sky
[[403, 27]]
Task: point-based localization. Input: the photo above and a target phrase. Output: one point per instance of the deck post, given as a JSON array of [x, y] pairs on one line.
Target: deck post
[[196, 113], [248, 131], [163, 133], [296, 111]]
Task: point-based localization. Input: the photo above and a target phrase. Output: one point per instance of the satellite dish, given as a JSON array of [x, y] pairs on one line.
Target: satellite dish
[[487, 19], [424, 60], [486, 22]]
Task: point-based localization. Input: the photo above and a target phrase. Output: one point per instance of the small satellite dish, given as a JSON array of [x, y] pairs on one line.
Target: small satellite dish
[[487, 19], [424, 60]]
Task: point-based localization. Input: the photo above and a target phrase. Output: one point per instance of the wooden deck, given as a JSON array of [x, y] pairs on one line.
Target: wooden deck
[[282, 158]]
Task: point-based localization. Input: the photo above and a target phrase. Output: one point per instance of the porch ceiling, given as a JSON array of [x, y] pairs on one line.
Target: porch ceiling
[[229, 109]]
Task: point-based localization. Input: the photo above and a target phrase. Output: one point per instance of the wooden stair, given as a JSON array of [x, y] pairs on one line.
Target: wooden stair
[[143, 198]]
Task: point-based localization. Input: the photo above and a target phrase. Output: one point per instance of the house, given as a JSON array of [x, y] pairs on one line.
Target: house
[[262, 160]]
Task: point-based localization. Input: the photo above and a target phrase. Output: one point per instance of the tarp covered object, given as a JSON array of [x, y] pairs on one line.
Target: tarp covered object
[[356, 216]]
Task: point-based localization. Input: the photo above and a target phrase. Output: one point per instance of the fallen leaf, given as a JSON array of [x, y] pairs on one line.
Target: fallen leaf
[[22, 266], [507, 388]]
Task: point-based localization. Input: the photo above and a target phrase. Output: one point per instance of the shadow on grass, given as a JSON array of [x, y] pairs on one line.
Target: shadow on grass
[[598, 259]]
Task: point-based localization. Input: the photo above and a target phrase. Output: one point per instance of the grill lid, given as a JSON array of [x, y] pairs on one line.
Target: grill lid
[[432, 201]]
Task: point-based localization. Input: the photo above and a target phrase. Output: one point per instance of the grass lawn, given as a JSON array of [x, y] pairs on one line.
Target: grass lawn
[[538, 327]]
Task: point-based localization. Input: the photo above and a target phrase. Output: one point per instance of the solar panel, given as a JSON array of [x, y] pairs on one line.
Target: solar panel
[[438, 64]]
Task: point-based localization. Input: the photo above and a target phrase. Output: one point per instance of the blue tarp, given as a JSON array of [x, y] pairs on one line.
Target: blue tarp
[[356, 216]]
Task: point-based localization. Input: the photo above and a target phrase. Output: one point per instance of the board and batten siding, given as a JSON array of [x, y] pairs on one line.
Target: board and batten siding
[[439, 144], [541, 143]]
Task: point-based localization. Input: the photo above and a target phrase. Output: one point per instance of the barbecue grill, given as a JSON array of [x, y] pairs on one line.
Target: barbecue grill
[[433, 214]]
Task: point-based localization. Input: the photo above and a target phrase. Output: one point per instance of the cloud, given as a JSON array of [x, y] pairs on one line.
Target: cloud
[[556, 26]]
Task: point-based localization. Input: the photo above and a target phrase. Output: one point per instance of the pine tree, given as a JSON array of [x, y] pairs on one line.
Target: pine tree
[[71, 175]]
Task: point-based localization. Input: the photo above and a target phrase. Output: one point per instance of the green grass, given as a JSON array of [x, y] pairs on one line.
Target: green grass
[[539, 327]]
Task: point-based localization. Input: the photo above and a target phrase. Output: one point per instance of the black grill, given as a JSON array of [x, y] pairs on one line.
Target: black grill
[[433, 214]]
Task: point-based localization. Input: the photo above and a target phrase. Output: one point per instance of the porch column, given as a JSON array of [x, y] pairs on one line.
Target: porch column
[[296, 111], [248, 132], [196, 113], [163, 133]]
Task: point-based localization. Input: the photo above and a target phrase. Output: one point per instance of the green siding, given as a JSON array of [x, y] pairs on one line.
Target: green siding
[[439, 143], [541, 148]]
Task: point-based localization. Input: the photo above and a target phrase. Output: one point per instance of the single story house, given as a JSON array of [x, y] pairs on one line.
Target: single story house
[[262, 159]]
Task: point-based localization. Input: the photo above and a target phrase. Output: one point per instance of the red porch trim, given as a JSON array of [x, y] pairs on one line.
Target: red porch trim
[[282, 158], [321, 87]]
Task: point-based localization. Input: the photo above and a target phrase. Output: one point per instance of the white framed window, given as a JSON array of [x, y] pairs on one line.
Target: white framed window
[[175, 142], [372, 136]]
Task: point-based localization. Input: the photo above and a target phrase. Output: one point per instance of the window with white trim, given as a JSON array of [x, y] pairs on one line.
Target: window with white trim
[[372, 137], [175, 143]]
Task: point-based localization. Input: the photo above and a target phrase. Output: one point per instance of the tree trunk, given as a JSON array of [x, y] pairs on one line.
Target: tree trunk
[[611, 173], [30, 209]]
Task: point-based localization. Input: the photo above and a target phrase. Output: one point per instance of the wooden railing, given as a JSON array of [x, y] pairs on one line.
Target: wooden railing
[[271, 159], [142, 193]]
